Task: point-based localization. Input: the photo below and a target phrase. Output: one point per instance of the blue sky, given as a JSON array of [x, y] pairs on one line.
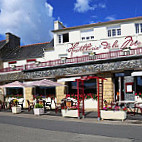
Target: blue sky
[[32, 20]]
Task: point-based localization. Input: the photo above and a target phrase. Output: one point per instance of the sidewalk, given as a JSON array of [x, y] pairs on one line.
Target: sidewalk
[[90, 118]]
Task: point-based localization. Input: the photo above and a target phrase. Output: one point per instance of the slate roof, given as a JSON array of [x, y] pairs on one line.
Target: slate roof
[[28, 51], [2, 43]]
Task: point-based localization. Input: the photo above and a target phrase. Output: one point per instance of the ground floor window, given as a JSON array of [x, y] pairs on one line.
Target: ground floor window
[[15, 92]]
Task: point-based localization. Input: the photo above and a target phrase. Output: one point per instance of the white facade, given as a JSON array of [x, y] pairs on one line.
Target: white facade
[[123, 35]]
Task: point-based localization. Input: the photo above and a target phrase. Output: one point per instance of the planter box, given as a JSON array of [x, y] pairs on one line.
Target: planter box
[[69, 113], [38, 111], [121, 115], [90, 103], [16, 109]]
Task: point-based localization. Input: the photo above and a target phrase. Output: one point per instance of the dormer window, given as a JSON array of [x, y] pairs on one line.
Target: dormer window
[[87, 34], [114, 31], [62, 38]]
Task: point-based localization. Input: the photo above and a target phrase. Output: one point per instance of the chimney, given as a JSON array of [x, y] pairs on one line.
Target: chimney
[[58, 25], [13, 40]]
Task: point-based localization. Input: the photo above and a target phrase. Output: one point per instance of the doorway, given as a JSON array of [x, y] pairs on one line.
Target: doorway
[[119, 88]]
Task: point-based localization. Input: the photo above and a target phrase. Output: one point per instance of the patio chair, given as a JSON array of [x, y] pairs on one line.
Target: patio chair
[[30, 105], [57, 107], [138, 107]]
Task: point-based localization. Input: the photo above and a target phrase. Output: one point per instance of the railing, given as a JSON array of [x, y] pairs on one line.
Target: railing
[[81, 59]]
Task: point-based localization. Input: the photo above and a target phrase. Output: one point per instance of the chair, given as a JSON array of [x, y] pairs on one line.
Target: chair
[[57, 107], [30, 105], [138, 107]]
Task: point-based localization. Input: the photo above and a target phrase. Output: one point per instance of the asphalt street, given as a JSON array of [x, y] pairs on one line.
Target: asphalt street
[[21, 129]]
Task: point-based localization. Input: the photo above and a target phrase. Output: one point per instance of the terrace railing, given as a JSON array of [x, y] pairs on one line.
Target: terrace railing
[[74, 60]]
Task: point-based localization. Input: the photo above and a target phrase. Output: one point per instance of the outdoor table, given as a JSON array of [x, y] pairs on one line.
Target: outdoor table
[[127, 104]]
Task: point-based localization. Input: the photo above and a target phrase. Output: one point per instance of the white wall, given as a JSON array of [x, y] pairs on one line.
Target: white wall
[[98, 43]]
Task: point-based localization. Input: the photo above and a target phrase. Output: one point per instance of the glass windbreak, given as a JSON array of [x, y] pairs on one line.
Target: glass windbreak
[[89, 87], [44, 91]]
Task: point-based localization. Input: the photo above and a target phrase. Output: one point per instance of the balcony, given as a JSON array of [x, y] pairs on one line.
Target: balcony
[[74, 60]]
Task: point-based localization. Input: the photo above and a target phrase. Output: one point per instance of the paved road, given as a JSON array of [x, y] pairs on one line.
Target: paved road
[[20, 129]]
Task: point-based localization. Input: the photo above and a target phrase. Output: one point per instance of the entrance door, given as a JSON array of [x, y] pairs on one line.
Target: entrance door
[[119, 88]]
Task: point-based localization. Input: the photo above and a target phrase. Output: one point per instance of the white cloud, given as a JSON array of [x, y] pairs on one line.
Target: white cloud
[[31, 20], [102, 5], [110, 18], [82, 6]]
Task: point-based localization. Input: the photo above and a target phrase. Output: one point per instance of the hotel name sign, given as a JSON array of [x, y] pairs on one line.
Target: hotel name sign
[[79, 47]]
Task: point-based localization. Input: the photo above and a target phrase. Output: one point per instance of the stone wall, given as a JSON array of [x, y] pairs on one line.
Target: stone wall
[[80, 69], [28, 95], [129, 96], [60, 92], [1, 95], [108, 92]]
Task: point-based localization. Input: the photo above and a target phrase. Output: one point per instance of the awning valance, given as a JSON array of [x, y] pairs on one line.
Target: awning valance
[[138, 73], [68, 79]]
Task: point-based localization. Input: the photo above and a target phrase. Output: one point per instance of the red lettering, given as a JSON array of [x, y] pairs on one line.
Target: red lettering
[[115, 44], [106, 45], [75, 47], [129, 42]]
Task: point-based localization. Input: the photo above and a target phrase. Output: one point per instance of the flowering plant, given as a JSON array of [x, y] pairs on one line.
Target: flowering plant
[[116, 108], [15, 102], [138, 94], [86, 96], [15, 96]]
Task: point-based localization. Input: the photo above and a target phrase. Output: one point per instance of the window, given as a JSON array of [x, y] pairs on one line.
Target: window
[[109, 33], [87, 34], [114, 31], [138, 84], [138, 27], [118, 31], [92, 37], [63, 38], [60, 38], [83, 38]]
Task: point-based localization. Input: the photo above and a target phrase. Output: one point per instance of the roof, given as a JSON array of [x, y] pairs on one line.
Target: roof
[[28, 51], [2, 43], [100, 24]]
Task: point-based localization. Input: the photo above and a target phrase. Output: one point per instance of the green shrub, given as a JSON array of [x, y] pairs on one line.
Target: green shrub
[[38, 106]]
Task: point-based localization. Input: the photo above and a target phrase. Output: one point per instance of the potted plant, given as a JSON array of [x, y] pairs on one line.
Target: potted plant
[[38, 109], [16, 108], [116, 113]]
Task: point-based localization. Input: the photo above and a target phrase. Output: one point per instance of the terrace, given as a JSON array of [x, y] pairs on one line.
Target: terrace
[[74, 60]]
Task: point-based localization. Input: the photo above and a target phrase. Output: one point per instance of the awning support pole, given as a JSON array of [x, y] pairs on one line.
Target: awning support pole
[[78, 103]]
